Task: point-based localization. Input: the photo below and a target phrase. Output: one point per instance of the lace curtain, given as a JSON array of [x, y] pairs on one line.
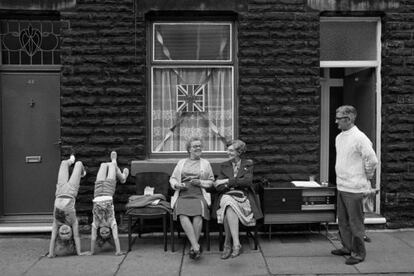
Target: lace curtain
[[212, 125]]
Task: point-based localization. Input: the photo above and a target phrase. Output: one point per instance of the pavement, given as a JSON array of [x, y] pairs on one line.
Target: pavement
[[391, 252]]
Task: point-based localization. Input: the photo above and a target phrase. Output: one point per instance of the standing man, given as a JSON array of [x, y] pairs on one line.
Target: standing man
[[355, 166]]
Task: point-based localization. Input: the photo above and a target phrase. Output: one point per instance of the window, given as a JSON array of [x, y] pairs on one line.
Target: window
[[26, 42], [350, 74], [192, 85]]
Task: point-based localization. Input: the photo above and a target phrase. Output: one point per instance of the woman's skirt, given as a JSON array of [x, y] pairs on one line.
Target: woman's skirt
[[240, 205], [191, 206]]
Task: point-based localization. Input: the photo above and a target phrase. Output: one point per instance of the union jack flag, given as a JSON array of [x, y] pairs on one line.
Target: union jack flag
[[190, 97]]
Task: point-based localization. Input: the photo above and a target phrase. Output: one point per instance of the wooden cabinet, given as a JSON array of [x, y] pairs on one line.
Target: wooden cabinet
[[287, 204]]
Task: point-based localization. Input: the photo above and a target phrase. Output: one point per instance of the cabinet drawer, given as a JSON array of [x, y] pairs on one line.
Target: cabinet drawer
[[282, 200]]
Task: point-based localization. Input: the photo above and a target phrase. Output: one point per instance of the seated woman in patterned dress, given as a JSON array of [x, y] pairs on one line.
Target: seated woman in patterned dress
[[65, 231], [190, 178], [103, 206], [237, 200]]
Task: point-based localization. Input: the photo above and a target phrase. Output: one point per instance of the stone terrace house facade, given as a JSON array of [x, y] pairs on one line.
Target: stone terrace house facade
[[141, 76]]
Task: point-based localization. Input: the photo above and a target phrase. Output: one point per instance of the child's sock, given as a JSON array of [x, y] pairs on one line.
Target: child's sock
[[72, 159], [114, 156]]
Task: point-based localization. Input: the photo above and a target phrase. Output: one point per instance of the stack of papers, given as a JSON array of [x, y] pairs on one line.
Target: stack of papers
[[308, 184]]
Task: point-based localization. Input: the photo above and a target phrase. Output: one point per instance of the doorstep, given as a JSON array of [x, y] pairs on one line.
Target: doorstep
[[26, 224], [372, 219]]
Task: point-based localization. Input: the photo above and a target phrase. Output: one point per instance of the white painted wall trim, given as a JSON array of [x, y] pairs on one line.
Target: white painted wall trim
[[349, 63]]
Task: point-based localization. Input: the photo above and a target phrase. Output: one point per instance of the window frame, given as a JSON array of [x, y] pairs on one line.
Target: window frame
[[154, 64], [154, 61], [55, 23]]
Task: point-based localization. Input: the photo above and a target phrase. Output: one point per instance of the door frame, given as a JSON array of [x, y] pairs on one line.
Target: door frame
[[17, 69], [324, 149]]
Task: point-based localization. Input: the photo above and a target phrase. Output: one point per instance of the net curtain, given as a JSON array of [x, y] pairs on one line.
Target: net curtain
[[217, 104]]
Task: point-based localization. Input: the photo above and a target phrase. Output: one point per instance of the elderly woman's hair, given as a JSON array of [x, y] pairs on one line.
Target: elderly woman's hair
[[349, 111], [239, 146], [189, 141]]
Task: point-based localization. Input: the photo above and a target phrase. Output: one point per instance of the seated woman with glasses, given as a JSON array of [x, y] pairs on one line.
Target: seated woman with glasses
[[237, 200], [189, 179]]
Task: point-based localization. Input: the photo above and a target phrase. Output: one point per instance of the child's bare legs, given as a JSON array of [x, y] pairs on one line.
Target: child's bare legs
[[77, 173], [122, 176], [111, 171], [102, 172], [63, 175]]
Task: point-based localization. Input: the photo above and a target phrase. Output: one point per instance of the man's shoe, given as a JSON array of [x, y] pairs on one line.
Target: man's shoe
[[352, 261], [340, 252], [226, 252], [367, 239]]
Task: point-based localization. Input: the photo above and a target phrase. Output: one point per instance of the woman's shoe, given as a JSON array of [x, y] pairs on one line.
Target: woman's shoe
[[191, 253], [236, 251], [226, 252], [197, 254]]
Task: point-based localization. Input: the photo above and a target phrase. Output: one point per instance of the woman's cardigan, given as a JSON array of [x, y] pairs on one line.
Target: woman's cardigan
[[206, 177]]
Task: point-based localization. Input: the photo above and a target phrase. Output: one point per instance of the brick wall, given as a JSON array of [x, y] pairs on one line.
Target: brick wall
[[102, 89], [104, 93], [104, 97], [398, 116], [279, 88]]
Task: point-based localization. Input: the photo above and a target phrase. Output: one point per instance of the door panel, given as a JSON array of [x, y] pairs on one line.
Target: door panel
[[360, 91], [335, 101], [30, 132]]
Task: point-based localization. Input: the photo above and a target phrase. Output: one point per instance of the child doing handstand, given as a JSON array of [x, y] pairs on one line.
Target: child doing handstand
[[103, 207], [65, 231]]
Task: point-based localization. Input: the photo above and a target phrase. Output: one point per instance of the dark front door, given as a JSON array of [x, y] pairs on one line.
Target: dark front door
[[30, 139]]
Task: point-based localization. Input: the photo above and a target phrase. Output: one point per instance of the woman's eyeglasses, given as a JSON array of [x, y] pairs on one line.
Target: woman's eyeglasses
[[340, 118]]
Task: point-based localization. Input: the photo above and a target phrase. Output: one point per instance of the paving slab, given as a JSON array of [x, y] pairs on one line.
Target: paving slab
[[386, 243], [77, 265], [309, 265], [17, 255], [379, 262], [104, 262], [388, 252], [302, 245], [406, 236], [248, 263], [147, 257]]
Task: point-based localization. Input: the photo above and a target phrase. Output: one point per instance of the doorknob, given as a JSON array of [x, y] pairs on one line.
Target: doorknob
[[32, 103], [58, 142]]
